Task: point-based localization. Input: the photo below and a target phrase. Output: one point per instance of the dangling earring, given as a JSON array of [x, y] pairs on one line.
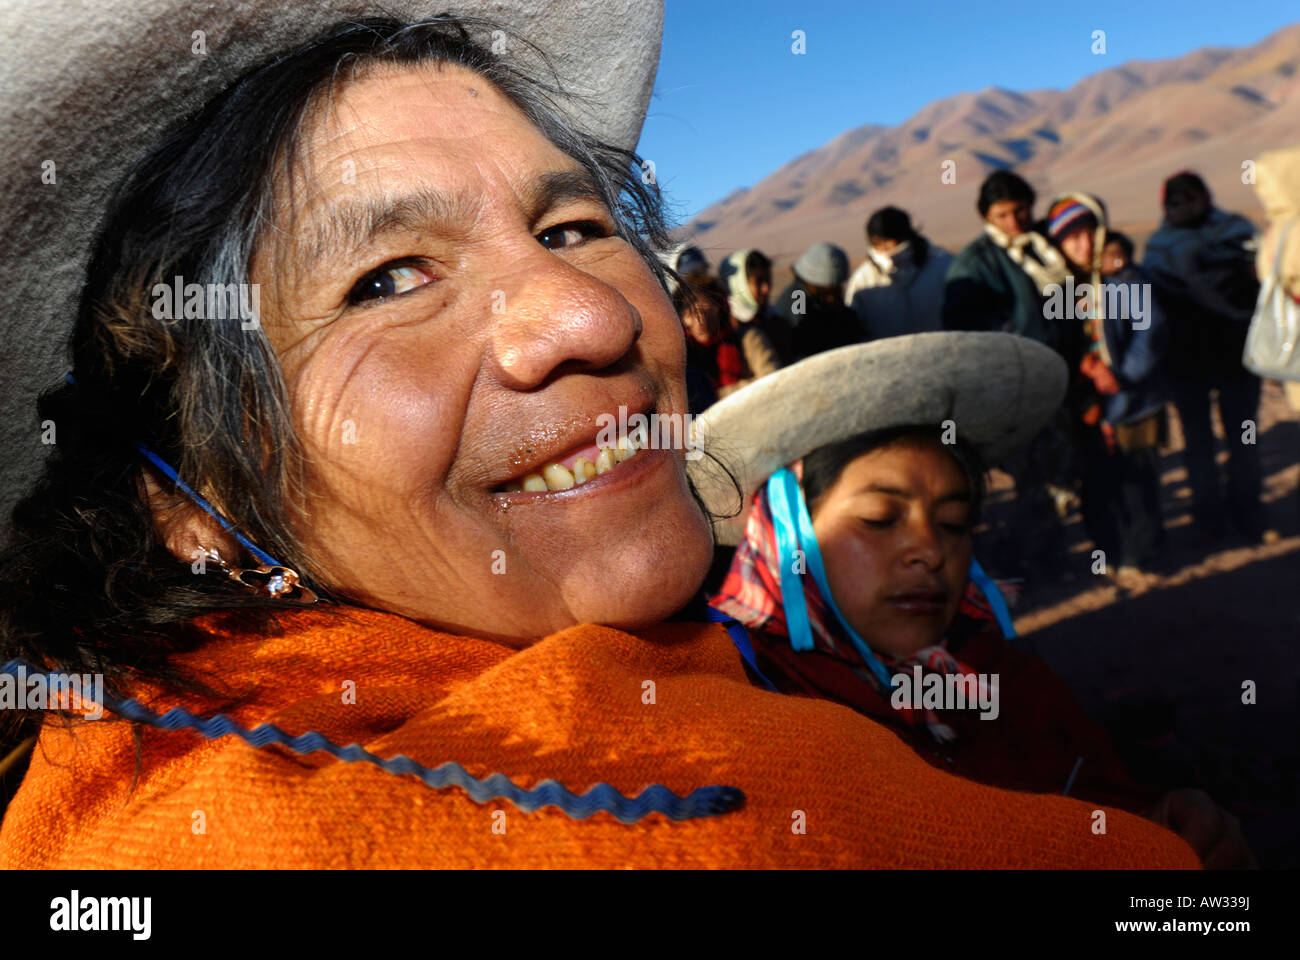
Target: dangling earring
[[277, 582]]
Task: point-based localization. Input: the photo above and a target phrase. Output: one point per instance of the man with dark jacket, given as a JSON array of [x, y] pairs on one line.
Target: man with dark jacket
[[997, 281], [1138, 345]]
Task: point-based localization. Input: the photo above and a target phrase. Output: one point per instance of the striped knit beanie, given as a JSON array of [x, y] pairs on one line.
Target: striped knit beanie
[[1067, 215]]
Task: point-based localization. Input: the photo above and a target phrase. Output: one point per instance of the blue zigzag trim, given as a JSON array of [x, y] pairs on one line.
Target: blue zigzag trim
[[701, 802]]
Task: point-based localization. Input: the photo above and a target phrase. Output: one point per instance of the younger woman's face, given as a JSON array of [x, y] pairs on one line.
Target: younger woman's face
[[1077, 245], [895, 534], [760, 285]]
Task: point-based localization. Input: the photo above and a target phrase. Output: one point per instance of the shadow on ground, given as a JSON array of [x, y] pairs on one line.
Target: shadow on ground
[[1169, 667]]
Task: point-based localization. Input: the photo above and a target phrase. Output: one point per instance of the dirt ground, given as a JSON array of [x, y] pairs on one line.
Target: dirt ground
[[1164, 665]]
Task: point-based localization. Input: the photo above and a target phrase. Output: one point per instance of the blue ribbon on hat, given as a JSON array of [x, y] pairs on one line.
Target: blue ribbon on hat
[[997, 603]]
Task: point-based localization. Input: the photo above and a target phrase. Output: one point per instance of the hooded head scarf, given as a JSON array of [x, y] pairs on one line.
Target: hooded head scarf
[[740, 298]]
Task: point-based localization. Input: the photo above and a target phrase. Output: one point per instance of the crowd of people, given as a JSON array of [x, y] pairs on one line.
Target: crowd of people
[[1136, 337]]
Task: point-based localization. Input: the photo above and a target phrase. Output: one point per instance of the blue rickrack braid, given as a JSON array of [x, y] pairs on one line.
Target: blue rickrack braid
[[656, 798]]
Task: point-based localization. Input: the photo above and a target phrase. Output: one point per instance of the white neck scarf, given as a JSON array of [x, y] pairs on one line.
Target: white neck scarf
[[893, 261], [1034, 254]]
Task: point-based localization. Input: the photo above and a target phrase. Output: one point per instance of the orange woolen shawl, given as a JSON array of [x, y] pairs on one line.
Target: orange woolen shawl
[[570, 707]]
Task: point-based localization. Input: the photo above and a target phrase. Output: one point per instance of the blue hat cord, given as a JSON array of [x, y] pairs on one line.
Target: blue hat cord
[[997, 603], [226, 525], [794, 533]]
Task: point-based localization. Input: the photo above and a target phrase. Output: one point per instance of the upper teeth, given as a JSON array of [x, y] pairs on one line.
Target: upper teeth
[[555, 476], [583, 470]]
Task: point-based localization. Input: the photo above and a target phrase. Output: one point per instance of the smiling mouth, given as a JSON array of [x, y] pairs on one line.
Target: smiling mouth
[[580, 466]]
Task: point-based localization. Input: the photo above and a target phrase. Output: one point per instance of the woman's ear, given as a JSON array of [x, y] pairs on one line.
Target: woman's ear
[[185, 529], [797, 469]]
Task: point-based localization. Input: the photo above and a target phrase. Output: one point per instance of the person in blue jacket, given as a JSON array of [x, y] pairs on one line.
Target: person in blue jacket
[[1119, 390], [1138, 408]]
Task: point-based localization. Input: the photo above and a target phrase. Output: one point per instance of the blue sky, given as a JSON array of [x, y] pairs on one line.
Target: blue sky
[[733, 103]]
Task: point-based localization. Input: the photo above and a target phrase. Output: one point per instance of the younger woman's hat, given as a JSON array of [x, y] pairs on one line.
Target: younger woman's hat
[[993, 390]]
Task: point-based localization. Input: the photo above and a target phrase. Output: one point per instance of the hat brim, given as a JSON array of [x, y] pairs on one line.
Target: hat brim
[[998, 389]]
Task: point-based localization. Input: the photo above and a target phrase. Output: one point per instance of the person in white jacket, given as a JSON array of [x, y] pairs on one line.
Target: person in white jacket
[[899, 288]]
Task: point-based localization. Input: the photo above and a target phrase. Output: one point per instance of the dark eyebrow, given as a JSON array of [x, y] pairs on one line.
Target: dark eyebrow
[[961, 496], [550, 190], [350, 225]]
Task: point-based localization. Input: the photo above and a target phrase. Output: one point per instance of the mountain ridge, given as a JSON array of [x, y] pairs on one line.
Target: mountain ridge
[[1117, 133]]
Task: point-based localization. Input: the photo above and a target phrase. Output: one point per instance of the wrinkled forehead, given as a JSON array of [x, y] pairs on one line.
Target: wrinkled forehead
[[391, 104], [437, 141]]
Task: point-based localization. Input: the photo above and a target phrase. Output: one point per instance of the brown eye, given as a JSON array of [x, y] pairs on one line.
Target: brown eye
[[390, 280], [570, 234]]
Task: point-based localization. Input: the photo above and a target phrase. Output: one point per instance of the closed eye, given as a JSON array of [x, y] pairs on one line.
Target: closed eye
[[572, 234], [391, 280]]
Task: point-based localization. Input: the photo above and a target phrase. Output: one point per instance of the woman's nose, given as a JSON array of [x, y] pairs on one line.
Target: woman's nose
[[546, 313], [922, 544]]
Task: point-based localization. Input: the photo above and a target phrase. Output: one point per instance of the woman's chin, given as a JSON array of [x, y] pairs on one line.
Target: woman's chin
[[906, 641], [647, 580]]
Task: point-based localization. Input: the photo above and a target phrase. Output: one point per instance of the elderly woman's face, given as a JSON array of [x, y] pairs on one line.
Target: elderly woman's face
[[454, 312]]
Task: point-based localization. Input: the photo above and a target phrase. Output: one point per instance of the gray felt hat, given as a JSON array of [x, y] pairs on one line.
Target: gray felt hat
[[998, 389], [88, 86]]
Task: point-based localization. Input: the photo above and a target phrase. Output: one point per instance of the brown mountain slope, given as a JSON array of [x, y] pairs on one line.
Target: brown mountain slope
[[1117, 133]]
